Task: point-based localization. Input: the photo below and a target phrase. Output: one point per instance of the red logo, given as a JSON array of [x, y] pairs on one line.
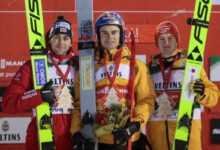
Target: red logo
[[193, 70], [111, 68], [5, 126], [63, 30]]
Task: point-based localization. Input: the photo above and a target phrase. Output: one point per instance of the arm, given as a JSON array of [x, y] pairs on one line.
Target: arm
[[144, 94], [76, 117], [19, 95], [143, 105], [211, 92]]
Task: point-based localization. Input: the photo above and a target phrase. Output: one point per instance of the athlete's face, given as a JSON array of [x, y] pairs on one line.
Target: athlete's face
[[110, 36], [60, 44], [167, 45]]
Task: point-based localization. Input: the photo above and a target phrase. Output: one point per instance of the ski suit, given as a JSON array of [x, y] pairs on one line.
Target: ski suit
[[20, 97], [162, 132], [144, 91]]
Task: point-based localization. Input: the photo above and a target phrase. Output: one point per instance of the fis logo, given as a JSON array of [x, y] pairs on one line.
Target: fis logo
[[34, 16], [202, 21]]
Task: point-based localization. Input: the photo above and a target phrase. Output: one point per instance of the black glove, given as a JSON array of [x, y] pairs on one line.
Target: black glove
[[78, 141], [197, 86], [48, 94], [123, 134]]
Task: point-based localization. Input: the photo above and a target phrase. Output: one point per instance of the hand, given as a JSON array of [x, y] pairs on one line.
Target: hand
[[123, 134], [47, 94], [78, 140], [197, 86]]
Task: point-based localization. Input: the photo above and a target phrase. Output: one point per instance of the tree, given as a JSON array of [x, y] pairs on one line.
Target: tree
[[65, 100], [165, 107], [112, 98]]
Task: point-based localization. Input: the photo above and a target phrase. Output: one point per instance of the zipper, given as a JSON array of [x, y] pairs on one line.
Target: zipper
[[167, 135]]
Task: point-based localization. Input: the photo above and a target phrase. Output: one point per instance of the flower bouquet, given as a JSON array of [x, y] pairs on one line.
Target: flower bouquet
[[111, 118]]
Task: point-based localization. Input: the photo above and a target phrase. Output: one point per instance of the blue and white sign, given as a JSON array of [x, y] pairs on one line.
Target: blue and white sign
[[40, 72]]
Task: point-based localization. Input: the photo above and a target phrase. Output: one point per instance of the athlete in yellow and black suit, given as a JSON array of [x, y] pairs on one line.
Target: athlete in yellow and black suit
[[110, 28], [162, 131]]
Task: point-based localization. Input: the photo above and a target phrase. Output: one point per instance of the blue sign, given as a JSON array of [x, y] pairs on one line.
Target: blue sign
[[40, 72]]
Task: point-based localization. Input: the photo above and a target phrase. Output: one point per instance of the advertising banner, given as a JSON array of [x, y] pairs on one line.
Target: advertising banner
[[215, 68], [9, 66], [13, 129]]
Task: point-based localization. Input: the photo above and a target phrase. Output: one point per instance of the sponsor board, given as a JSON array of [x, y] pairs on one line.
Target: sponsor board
[[13, 130], [9, 66]]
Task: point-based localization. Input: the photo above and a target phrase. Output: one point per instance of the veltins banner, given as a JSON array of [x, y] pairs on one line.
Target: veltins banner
[[13, 130]]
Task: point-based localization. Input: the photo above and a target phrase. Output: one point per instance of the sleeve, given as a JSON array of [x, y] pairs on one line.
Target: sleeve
[[20, 95], [76, 116], [144, 94], [211, 94]]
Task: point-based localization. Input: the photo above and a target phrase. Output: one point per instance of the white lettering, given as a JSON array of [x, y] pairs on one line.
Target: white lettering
[[29, 95], [106, 89], [63, 24], [2, 74], [20, 63], [14, 63], [36, 66], [102, 91], [10, 75], [216, 131], [42, 76], [2, 63], [37, 77]]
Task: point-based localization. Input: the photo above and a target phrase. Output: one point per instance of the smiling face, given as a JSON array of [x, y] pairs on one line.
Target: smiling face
[[110, 36], [167, 45], [60, 44]]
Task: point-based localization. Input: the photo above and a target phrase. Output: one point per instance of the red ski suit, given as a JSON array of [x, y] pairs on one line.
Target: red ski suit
[[16, 99]]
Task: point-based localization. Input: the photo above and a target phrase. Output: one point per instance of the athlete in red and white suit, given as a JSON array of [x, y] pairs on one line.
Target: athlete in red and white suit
[[20, 95]]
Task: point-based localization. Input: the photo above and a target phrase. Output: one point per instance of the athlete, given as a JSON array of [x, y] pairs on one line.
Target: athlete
[[167, 70], [112, 67], [20, 95]]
